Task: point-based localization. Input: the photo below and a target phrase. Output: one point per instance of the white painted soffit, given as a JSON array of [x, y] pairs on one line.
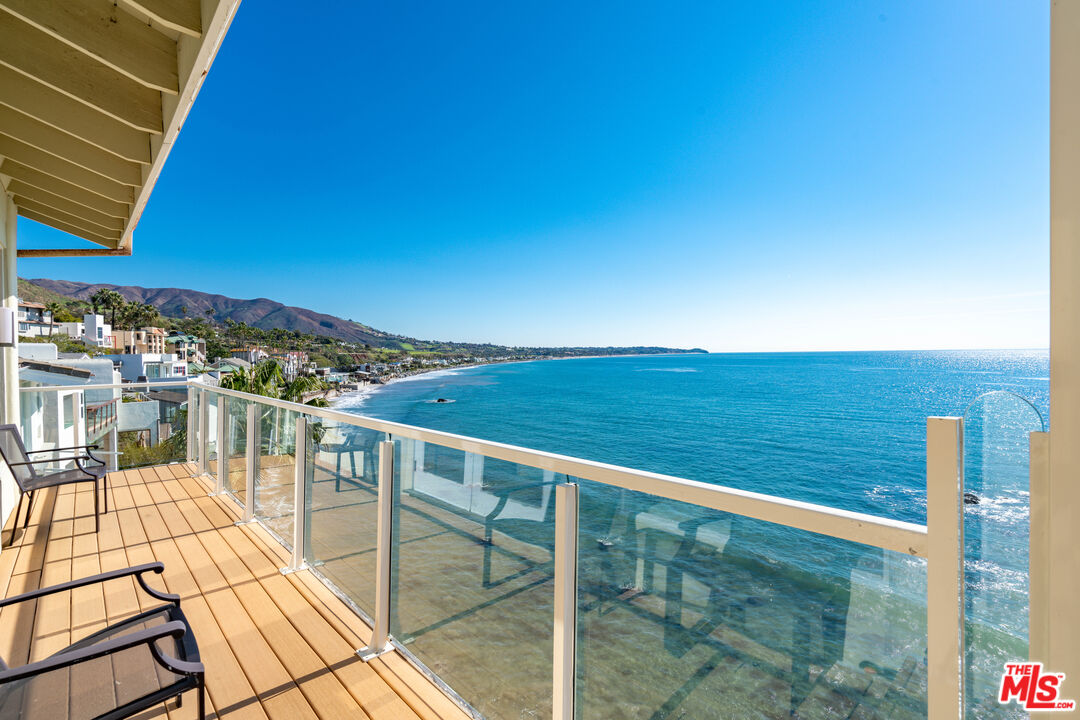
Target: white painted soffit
[[93, 94]]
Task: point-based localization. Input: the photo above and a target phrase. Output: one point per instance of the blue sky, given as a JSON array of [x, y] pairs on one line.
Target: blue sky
[[735, 176]]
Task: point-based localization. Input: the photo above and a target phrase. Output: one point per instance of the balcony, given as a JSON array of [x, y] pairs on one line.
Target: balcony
[[512, 582]]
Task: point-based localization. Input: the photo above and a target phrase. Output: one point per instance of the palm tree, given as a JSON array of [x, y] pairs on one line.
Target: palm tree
[[52, 308], [107, 299], [209, 312], [266, 379], [148, 315], [183, 311]]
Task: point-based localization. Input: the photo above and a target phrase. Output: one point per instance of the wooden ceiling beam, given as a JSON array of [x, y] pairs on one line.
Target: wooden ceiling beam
[[48, 139], [42, 197], [183, 16], [74, 193], [61, 112], [108, 34], [70, 229], [27, 50], [25, 203], [31, 157]]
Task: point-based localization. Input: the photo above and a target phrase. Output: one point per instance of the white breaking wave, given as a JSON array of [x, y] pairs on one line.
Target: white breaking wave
[[674, 370]]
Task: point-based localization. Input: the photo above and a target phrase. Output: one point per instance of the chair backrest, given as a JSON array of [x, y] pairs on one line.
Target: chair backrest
[[13, 451]]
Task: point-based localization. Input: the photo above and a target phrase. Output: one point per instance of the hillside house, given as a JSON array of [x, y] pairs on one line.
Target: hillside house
[[34, 320]]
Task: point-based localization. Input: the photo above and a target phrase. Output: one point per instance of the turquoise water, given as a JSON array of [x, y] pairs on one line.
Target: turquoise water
[[841, 429]]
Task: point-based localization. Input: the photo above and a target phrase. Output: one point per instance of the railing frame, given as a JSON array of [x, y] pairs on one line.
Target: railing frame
[[896, 535], [251, 438], [204, 429], [380, 633], [940, 541], [222, 445], [564, 658], [300, 502], [944, 569], [191, 426]]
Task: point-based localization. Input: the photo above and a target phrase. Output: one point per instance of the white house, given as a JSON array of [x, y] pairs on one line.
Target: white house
[[72, 417], [34, 320], [149, 366], [93, 330]]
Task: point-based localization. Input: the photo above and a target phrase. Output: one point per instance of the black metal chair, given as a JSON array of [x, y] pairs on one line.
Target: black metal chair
[[129, 666], [29, 479]]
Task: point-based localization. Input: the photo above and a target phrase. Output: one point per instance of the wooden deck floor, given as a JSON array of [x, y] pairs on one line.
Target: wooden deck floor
[[274, 646]]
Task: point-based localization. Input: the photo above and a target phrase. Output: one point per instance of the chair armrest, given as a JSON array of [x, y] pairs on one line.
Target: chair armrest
[[44, 461], [174, 628], [180, 667], [73, 447], [137, 571]]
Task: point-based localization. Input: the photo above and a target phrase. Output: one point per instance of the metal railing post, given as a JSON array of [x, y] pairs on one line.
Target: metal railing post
[[222, 447], [191, 424], [252, 447], [566, 585], [299, 551], [204, 428], [380, 633], [944, 567]]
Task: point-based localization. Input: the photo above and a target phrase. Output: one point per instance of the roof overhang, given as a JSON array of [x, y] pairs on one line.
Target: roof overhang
[[93, 94]]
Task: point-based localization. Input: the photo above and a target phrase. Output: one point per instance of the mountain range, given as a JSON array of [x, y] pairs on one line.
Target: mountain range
[[268, 314], [259, 312]]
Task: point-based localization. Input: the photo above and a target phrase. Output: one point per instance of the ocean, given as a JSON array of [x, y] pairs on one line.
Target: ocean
[[847, 430]]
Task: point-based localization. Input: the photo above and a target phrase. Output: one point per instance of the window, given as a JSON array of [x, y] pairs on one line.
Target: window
[[69, 411], [23, 327]]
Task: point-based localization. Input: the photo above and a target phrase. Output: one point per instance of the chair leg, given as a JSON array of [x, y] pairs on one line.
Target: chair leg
[[29, 505], [201, 714], [15, 525], [97, 503], [105, 491]]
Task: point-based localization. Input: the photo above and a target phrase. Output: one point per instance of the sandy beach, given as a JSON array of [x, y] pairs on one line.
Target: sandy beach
[[357, 398]]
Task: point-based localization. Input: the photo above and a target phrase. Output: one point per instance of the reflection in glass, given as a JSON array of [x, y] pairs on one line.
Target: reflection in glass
[[472, 591], [342, 521], [133, 427], [689, 612], [236, 440], [275, 470]]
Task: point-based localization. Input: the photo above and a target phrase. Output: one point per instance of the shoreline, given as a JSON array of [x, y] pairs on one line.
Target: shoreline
[[359, 397], [356, 398]]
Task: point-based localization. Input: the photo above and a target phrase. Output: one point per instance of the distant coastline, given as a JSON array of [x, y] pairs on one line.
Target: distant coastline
[[357, 398]]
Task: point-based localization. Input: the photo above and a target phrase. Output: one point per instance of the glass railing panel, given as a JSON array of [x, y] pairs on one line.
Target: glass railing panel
[[689, 612], [236, 430], [192, 411], [151, 425], [53, 419], [343, 472], [275, 470], [472, 588], [132, 427], [996, 527], [211, 440]]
